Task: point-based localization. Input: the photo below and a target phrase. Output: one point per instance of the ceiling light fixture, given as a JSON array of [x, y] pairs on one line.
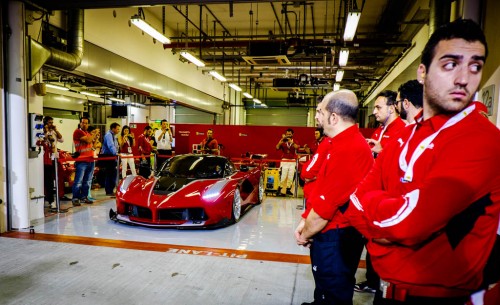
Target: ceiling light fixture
[[57, 87], [235, 87], [257, 101], [89, 93], [114, 99], [351, 25], [343, 57], [336, 87], [247, 95], [217, 75], [339, 76], [143, 25], [192, 59]]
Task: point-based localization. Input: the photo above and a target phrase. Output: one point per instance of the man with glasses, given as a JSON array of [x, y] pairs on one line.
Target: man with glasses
[[409, 100]]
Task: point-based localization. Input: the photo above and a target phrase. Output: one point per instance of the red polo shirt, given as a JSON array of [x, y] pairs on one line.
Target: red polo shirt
[[391, 131], [348, 160]]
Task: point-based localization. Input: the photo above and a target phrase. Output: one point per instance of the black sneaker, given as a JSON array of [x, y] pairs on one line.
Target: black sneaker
[[289, 192], [363, 287], [76, 202], [86, 200]]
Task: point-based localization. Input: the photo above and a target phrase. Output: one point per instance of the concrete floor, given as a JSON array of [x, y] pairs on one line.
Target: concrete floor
[[74, 272]]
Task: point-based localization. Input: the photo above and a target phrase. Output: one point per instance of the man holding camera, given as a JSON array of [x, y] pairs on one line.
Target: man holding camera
[[289, 149], [51, 137]]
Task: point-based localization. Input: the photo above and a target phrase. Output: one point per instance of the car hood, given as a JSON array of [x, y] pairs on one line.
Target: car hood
[[166, 185]]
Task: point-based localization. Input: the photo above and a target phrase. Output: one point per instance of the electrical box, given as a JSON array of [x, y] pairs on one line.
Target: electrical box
[[36, 129]]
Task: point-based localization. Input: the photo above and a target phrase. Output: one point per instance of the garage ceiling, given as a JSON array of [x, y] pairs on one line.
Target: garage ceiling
[[243, 39]]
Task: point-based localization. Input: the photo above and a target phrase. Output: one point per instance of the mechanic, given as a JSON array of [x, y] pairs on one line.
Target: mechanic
[[209, 145], [409, 100], [145, 148], [318, 137], [164, 141], [386, 113], [288, 147], [311, 168], [51, 137], [109, 149], [84, 162], [334, 244], [430, 206]]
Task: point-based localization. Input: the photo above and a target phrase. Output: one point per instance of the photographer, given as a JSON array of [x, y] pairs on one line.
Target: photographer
[[126, 141], [164, 141], [51, 137], [289, 148]]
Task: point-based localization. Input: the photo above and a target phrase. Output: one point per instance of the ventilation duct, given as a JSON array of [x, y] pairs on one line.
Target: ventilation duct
[[40, 54]]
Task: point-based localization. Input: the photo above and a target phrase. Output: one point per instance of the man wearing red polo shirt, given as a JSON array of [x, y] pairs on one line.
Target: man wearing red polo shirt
[[335, 245], [430, 206]]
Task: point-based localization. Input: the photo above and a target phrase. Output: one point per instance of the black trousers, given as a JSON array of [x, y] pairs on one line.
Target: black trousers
[[48, 181], [335, 257]]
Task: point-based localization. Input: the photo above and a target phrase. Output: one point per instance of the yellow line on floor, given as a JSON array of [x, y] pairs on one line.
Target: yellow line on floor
[[157, 247]]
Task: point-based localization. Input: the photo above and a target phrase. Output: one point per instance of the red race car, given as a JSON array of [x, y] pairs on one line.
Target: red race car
[[189, 191]]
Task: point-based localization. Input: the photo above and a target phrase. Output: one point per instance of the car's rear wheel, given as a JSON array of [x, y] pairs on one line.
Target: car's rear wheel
[[236, 210], [261, 189]]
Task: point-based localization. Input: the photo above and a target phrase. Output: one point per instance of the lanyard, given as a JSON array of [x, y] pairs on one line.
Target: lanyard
[[382, 133], [422, 146]]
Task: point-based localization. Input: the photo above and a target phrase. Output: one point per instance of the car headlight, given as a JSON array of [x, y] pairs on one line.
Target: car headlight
[[214, 190], [126, 183]]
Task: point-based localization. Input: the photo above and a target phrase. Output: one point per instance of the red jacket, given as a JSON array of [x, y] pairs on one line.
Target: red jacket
[[391, 131], [443, 222], [311, 168], [347, 162]]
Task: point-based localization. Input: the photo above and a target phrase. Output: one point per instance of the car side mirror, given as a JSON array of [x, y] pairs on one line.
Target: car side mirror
[[243, 168]]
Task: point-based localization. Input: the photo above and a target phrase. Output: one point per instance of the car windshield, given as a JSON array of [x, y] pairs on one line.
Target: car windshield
[[194, 166]]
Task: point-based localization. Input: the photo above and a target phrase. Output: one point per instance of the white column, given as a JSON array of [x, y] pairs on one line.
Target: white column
[[17, 124]]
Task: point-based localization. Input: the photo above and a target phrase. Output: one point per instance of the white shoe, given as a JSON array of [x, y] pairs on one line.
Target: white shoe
[[53, 206]]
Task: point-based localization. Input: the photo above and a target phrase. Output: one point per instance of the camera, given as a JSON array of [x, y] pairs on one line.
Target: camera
[[285, 139]]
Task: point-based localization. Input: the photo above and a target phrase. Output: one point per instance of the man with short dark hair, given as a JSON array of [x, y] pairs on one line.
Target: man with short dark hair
[[84, 163], [209, 145], [110, 150], [52, 136], [430, 206], [288, 146], [387, 115], [335, 245], [410, 100], [145, 148]]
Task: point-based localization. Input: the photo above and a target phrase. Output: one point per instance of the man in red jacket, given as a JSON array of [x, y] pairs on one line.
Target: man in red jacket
[[335, 245], [430, 206]]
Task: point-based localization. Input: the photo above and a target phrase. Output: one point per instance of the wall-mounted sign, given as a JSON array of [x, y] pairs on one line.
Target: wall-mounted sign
[[487, 96]]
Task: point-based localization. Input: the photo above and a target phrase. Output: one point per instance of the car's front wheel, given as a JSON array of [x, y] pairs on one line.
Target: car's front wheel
[[236, 210]]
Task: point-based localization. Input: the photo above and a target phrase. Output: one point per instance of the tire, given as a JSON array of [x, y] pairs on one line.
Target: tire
[[236, 206], [261, 190]]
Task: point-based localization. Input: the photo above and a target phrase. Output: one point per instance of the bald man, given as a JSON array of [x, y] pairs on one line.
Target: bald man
[[335, 245]]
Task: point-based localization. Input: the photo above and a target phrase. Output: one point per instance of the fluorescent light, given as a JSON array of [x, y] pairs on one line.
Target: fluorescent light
[[336, 87], [235, 87], [339, 76], [257, 101], [114, 99], [192, 59], [351, 25], [143, 25], [57, 87], [263, 105], [217, 75], [247, 95], [343, 57], [89, 93]]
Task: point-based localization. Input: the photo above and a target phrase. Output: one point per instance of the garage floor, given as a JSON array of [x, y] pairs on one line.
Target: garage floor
[[81, 257]]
